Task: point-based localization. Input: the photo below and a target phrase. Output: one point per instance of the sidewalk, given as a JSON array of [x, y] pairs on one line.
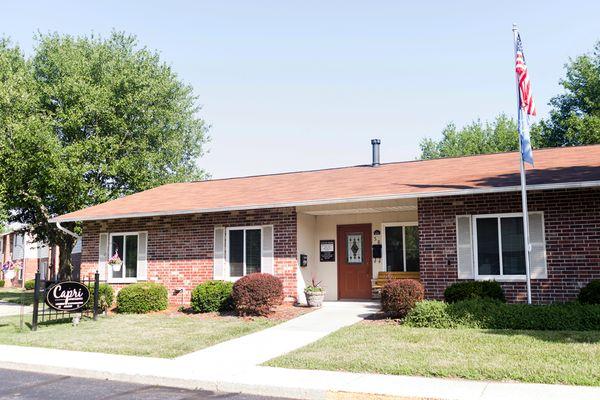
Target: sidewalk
[[261, 346], [10, 309], [233, 367], [268, 381]]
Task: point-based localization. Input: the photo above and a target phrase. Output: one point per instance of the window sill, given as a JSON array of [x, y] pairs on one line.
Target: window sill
[[499, 278], [121, 280]]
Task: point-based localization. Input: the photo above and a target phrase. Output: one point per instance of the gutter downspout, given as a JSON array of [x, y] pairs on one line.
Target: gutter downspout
[[65, 230]]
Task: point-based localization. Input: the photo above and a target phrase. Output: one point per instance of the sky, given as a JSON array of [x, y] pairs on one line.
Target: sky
[[298, 85]]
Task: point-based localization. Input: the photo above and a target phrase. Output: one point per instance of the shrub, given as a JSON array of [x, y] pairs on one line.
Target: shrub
[[590, 294], [140, 298], [257, 294], [430, 314], [474, 290], [494, 314], [398, 297], [106, 296], [2, 283], [29, 284], [212, 296]]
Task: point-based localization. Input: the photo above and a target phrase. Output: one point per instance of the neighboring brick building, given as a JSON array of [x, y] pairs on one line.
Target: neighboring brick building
[[31, 255], [447, 220]]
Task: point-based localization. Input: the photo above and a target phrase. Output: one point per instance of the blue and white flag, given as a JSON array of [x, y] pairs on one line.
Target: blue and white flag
[[524, 137]]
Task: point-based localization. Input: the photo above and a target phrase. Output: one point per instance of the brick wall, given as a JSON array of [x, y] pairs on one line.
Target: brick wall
[[572, 229], [180, 248], [30, 264]]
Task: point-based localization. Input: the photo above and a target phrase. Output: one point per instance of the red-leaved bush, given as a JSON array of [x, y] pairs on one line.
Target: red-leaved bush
[[257, 294], [398, 297]]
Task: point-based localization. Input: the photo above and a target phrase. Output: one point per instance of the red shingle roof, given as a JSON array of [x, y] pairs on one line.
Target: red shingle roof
[[559, 167]]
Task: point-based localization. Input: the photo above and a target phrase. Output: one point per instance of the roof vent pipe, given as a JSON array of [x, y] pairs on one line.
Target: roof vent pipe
[[375, 145]]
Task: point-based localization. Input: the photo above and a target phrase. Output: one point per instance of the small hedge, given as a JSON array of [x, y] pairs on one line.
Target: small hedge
[[473, 290], [257, 294], [29, 284], [212, 296], [398, 297], [590, 294], [140, 298], [2, 283], [106, 297], [494, 314]]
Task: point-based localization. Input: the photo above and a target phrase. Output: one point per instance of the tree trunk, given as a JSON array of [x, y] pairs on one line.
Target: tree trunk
[[65, 266]]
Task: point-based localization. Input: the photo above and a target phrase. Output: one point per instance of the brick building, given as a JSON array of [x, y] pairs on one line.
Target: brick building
[[447, 220], [30, 255]]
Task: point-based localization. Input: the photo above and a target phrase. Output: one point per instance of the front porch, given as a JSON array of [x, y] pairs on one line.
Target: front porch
[[353, 248]]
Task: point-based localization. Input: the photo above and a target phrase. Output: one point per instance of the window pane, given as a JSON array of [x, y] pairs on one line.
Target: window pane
[[411, 240], [117, 249], [513, 246], [253, 251], [488, 257], [236, 253], [354, 248], [131, 252], [394, 253]]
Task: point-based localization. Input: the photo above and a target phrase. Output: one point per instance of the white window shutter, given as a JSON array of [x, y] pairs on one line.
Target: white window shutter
[[102, 255], [18, 247], [464, 247], [537, 259], [219, 254], [267, 262], [142, 258]]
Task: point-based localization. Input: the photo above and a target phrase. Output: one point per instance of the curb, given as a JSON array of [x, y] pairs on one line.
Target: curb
[[190, 384]]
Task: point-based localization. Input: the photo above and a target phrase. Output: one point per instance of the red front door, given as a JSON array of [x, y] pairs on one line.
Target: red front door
[[354, 261]]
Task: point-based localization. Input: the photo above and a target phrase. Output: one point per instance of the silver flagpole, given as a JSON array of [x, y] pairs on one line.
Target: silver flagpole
[[523, 180]]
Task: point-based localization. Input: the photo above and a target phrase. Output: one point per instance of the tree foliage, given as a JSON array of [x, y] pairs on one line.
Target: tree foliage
[[476, 138], [86, 120], [575, 117]]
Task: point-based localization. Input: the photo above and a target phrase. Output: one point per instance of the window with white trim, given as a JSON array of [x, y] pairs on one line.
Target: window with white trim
[[125, 246], [244, 251], [498, 244], [401, 247]]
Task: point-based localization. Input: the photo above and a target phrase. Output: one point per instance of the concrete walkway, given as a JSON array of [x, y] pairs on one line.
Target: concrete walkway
[[10, 309], [261, 346], [232, 367]]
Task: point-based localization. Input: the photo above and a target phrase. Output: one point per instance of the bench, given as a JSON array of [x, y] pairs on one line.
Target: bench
[[384, 277]]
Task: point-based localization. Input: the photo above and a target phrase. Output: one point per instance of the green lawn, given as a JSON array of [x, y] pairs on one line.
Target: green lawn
[[154, 335], [388, 348], [18, 296]]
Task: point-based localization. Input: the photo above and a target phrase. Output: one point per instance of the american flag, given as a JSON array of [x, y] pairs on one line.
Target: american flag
[[526, 98]]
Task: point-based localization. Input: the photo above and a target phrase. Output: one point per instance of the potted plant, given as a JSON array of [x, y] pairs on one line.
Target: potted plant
[[314, 294], [115, 262], [11, 270]]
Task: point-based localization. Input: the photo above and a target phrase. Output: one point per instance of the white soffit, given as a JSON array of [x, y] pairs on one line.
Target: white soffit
[[368, 210]]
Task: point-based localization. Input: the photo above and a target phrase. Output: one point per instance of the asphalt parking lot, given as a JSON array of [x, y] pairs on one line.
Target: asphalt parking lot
[[32, 385]]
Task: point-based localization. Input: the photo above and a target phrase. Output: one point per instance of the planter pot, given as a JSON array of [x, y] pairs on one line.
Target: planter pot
[[314, 299], [116, 267]]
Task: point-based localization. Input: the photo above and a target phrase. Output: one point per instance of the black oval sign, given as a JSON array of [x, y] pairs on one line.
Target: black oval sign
[[67, 296]]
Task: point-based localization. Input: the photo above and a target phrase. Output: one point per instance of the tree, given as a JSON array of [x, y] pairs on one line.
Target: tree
[[86, 120], [575, 117], [476, 138]]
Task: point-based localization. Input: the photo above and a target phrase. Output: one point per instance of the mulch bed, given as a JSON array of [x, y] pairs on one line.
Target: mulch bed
[[283, 312]]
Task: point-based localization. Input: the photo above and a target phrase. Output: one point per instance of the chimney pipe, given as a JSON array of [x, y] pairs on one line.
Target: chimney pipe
[[375, 145]]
